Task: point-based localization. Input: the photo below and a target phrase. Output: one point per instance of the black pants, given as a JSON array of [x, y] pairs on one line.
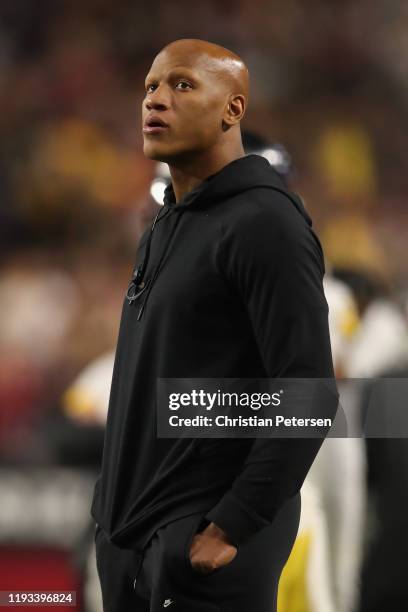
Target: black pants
[[164, 577]]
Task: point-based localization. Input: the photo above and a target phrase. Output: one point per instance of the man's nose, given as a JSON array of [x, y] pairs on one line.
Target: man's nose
[[157, 100]]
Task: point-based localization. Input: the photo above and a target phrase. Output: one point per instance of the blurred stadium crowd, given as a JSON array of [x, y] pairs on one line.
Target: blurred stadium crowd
[[329, 80]]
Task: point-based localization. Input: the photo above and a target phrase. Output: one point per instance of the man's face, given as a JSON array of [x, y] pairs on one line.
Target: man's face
[[189, 97]]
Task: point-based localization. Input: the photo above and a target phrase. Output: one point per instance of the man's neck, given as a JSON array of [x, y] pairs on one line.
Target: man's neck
[[186, 176]]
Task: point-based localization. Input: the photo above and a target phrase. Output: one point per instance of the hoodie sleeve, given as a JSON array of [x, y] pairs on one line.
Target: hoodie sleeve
[[274, 262]]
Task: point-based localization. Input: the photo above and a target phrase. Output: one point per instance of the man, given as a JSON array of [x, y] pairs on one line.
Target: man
[[227, 284]]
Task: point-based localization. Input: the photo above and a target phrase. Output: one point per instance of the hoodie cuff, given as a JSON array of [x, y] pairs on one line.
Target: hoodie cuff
[[237, 520]]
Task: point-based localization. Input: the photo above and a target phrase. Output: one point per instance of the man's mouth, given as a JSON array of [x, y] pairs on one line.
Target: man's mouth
[[154, 125]]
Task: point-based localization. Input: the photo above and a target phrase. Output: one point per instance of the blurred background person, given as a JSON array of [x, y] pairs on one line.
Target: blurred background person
[[333, 501], [379, 349]]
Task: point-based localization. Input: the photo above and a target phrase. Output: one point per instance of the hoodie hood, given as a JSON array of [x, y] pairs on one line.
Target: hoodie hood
[[240, 175]]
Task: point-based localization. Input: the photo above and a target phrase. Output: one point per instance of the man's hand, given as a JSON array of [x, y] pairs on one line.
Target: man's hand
[[211, 549]]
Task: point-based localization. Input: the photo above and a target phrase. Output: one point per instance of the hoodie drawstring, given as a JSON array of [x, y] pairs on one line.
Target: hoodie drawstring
[[136, 285], [157, 270]]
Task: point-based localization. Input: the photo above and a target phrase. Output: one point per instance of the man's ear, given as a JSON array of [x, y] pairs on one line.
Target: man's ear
[[234, 110]]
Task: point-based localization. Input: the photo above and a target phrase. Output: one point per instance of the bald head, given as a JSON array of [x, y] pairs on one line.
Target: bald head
[[218, 61], [200, 90]]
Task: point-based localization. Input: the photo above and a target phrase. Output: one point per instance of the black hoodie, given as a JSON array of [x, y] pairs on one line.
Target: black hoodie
[[228, 283]]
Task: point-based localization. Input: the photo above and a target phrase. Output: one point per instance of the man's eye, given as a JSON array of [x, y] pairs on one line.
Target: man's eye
[[150, 88], [183, 85]]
